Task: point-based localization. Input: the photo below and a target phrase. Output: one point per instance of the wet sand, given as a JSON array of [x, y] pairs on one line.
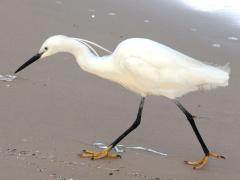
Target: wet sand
[[54, 110]]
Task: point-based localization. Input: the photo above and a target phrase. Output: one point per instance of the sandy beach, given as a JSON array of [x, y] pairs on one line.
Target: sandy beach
[[54, 110]]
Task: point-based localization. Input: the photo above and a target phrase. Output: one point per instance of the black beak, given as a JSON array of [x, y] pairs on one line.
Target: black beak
[[30, 61]]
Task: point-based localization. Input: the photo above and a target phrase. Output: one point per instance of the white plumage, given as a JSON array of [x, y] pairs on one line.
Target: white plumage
[[143, 66], [148, 67]]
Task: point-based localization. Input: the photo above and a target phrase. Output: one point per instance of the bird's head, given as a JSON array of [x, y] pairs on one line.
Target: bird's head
[[51, 46]]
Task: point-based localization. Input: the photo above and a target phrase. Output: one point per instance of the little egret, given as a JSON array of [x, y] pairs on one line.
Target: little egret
[[146, 68]]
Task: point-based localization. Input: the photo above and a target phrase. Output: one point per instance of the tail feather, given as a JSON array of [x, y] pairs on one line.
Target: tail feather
[[215, 76], [225, 68]]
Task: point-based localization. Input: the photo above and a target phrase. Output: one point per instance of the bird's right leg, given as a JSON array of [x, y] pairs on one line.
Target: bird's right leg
[[199, 163], [106, 152]]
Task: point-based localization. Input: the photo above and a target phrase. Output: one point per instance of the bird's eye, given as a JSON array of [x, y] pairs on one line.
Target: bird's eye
[[46, 48]]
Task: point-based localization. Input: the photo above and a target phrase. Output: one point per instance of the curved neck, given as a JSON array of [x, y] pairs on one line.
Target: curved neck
[[77, 49], [100, 66]]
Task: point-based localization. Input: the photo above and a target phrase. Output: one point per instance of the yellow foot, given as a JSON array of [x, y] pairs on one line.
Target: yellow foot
[[200, 163], [99, 155]]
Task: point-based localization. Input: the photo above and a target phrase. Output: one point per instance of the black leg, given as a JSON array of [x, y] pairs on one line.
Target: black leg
[[190, 118], [133, 126]]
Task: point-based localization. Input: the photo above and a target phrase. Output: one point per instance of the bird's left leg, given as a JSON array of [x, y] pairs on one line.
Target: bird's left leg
[[200, 163], [99, 155], [106, 152]]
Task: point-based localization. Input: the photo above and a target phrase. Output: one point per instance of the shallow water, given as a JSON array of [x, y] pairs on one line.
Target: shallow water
[[229, 9], [7, 77]]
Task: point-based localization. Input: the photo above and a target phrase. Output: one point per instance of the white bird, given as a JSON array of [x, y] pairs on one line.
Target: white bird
[[146, 68]]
